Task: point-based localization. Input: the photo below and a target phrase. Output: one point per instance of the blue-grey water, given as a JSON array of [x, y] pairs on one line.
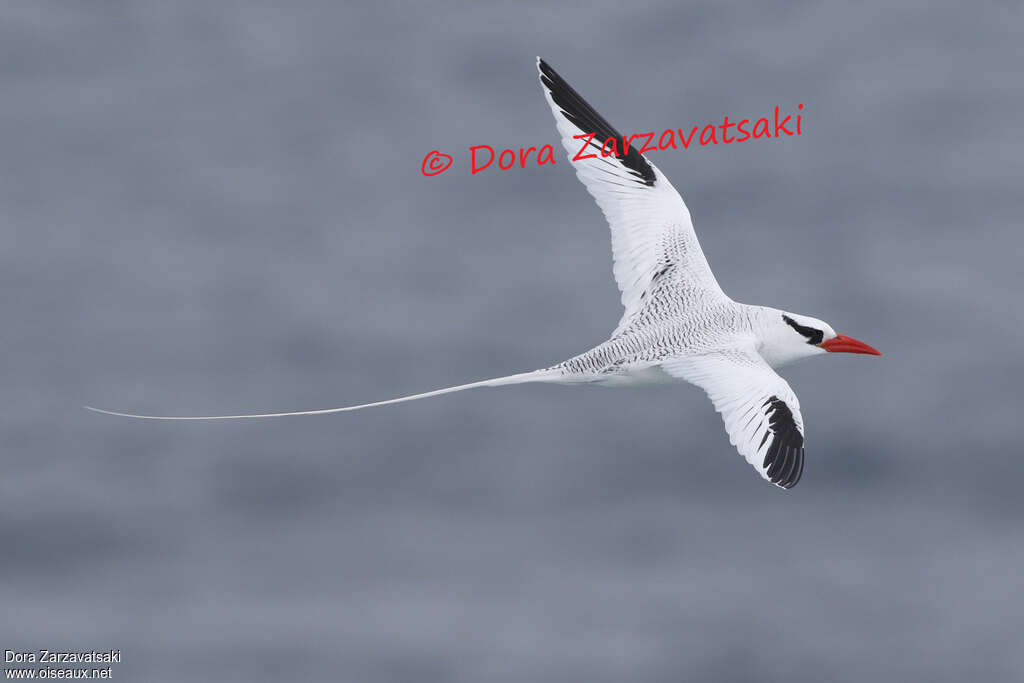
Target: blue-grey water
[[212, 207]]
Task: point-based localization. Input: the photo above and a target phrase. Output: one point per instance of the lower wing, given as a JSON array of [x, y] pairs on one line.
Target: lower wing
[[760, 410]]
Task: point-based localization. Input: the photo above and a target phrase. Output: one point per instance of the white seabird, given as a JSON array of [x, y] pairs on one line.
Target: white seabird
[[678, 324]]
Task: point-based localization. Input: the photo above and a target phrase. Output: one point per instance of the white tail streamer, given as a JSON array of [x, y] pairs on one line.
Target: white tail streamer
[[535, 376]]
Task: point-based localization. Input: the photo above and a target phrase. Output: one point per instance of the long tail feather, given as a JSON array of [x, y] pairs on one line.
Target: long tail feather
[[536, 376]]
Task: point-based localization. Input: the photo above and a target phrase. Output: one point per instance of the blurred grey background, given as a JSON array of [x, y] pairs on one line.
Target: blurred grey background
[[218, 207]]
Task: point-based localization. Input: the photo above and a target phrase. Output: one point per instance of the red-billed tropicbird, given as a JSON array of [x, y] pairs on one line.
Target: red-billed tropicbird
[[678, 324]]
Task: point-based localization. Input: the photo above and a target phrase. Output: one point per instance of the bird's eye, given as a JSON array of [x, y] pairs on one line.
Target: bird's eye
[[814, 336]]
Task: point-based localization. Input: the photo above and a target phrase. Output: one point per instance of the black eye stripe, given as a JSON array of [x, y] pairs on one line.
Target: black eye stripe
[[813, 336]]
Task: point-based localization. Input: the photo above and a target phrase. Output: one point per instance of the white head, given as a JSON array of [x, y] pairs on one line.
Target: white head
[[788, 337]]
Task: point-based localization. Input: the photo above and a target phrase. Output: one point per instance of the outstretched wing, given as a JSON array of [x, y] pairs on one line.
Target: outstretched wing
[[760, 410], [650, 224]]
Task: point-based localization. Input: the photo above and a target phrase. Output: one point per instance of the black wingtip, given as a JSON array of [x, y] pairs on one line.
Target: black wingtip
[[544, 69], [586, 118], [784, 461]]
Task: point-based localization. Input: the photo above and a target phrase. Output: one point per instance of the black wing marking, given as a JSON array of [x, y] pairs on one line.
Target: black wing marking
[[584, 117], [784, 460]]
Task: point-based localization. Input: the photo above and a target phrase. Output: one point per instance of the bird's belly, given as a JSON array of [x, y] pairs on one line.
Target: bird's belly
[[642, 376]]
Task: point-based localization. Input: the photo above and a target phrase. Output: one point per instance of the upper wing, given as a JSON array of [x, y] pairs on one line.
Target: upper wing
[[760, 410], [651, 227]]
